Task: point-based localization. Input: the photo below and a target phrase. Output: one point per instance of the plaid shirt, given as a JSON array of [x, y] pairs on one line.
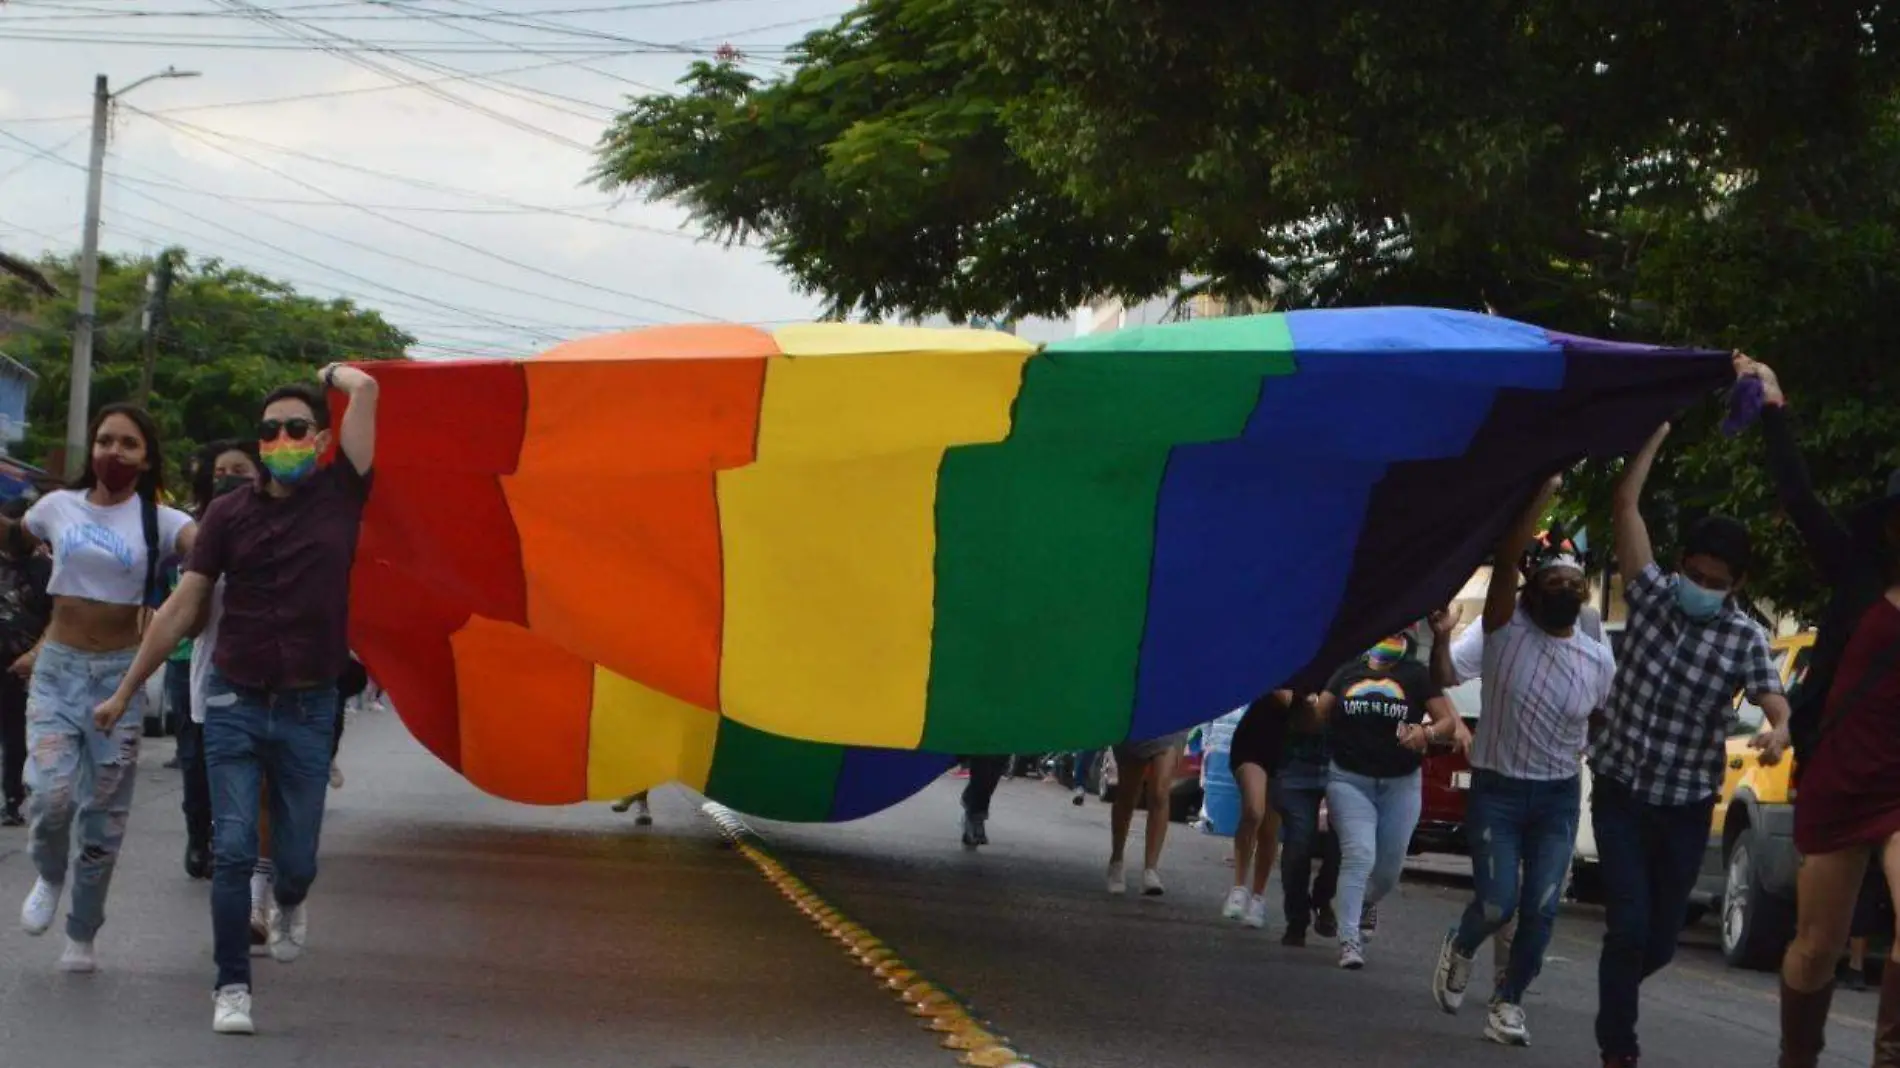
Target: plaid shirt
[[1666, 723]]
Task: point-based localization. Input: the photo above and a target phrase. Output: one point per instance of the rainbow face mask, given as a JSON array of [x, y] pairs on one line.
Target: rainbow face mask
[[1388, 652], [289, 462]]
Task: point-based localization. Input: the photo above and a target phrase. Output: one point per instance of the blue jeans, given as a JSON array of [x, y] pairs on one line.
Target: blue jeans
[[1649, 855], [252, 737], [1297, 790], [1375, 819], [78, 774], [1523, 834]]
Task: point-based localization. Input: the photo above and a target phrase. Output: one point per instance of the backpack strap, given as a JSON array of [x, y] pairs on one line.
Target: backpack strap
[[148, 512]]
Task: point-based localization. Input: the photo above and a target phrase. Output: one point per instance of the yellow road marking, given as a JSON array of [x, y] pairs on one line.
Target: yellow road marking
[[941, 1011]]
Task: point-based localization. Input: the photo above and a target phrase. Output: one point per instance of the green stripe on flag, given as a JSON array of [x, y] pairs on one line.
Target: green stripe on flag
[[1044, 543], [773, 777]]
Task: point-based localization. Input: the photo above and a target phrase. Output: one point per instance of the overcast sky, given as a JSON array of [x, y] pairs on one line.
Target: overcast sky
[[221, 169]]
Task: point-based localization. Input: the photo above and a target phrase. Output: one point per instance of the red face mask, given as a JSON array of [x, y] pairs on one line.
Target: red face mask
[[114, 474]]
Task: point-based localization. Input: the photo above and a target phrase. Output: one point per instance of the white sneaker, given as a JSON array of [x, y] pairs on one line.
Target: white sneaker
[[1257, 912], [1451, 976], [1151, 883], [1117, 880], [1236, 905], [78, 958], [336, 776], [36, 915], [1506, 1025], [1351, 957], [231, 1011], [289, 928]]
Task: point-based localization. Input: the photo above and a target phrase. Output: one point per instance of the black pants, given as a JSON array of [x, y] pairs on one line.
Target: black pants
[[12, 738], [1297, 791], [985, 773]]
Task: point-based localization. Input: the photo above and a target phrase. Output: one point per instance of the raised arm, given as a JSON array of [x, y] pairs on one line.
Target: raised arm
[[1634, 553], [357, 436], [1828, 541], [1500, 598], [1444, 621]]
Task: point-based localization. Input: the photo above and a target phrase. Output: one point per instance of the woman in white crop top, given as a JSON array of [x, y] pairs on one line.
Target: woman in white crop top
[[105, 562]]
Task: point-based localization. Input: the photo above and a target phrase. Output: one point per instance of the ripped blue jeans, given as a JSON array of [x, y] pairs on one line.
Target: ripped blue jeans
[[1523, 833], [80, 775]]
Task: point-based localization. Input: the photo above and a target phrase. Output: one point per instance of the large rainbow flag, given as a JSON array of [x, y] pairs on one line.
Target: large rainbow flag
[[798, 570]]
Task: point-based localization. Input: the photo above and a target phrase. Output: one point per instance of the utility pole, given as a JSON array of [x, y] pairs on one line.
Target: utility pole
[[158, 287], [79, 392]]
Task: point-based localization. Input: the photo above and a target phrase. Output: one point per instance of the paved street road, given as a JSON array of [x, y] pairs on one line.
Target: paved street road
[[451, 929]]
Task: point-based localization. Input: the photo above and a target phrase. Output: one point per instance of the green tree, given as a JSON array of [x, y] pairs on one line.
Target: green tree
[[1716, 174], [229, 337]]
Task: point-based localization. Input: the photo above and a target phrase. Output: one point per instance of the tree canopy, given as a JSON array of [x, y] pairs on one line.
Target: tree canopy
[[229, 336], [1719, 174]]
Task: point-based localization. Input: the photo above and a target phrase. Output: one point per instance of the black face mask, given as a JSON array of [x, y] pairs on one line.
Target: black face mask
[[1556, 610], [226, 483]]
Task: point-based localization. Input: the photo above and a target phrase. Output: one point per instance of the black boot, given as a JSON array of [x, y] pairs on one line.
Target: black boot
[[1804, 1025], [1887, 1020]]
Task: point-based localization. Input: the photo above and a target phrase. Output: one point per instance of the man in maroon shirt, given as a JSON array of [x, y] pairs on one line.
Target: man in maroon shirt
[[283, 551]]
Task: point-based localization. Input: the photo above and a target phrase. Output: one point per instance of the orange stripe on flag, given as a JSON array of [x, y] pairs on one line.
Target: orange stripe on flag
[[526, 706]]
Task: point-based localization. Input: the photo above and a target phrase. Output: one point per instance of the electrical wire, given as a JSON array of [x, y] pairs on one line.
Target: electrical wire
[[326, 94], [44, 153], [291, 28], [457, 242]]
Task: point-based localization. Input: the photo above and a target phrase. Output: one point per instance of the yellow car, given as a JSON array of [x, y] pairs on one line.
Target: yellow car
[[1748, 873]]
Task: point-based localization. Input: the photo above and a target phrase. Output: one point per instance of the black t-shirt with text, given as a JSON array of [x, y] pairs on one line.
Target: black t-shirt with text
[[1372, 702]]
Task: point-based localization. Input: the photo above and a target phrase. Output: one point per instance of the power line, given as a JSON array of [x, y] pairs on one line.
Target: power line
[[457, 242], [507, 206], [446, 272], [257, 43], [325, 94], [536, 52], [292, 29], [44, 153]]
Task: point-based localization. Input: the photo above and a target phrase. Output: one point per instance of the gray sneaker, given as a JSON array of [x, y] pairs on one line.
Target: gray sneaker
[[1506, 1025], [1452, 975]]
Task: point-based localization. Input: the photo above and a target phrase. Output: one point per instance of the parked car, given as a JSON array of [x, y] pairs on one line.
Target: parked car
[[1748, 870], [1447, 777]]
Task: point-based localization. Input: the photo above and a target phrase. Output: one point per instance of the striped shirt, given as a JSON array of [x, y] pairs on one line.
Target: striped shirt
[[1538, 693]]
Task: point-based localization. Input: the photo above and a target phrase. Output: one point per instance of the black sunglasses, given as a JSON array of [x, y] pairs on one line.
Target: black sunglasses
[[298, 429]]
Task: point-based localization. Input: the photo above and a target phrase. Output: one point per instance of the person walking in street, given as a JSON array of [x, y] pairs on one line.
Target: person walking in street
[[1542, 680], [1298, 789], [1658, 758], [1383, 712], [986, 773], [109, 537], [637, 803], [1142, 770], [25, 608], [1258, 747], [224, 467], [1846, 731], [284, 549]]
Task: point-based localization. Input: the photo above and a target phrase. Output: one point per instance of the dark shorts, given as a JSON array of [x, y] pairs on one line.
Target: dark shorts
[[1141, 752]]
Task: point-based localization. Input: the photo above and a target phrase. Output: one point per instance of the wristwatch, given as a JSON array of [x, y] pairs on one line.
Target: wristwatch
[[329, 377]]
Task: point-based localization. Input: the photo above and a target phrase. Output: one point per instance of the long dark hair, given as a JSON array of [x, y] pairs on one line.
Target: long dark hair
[[152, 479], [204, 467]]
